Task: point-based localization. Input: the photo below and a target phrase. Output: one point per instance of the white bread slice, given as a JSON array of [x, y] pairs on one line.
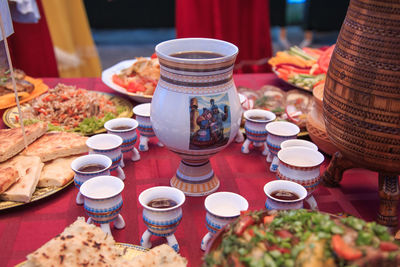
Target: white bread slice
[[57, 172], [29, 169]]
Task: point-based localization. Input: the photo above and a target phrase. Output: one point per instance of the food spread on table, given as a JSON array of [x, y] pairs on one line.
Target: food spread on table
[[303, 238], [141, 77], [293, 105], [257, 238], [82, 244], [44, 163], [27, 87], [68, 108], [302, 67]]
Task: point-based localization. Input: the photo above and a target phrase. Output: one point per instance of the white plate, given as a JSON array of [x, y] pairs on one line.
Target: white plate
[[106, 77]]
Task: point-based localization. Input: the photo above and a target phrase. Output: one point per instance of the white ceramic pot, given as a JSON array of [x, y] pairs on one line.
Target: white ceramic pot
[[103, 201], [81, 177], [195, 109], [161, 221], [142, 113], [278, 132], [222, 208], [255, 129], [108, 145], [128, 135], [273, 203], [301, 165]]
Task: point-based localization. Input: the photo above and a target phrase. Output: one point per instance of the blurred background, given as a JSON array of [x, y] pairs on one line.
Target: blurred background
[[126, 29]]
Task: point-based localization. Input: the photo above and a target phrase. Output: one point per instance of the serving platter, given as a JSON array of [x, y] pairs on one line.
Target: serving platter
[[107, 75], [40, 88], [39, 193], [289, 83], [11, 115], [128, 252]]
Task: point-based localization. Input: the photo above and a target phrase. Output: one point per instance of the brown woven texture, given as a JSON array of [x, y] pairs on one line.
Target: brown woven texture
[[362, 90]]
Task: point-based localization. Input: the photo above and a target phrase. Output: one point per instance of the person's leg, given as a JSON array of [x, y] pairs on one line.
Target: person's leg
[[283, 41]]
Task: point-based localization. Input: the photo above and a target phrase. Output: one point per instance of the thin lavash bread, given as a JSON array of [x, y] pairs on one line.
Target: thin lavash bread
[[80, 244], [55, 145], [12, 140], [29, 169]]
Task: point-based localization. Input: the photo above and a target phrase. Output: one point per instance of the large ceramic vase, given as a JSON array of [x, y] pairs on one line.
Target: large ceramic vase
[[195, 110], [362, 99]]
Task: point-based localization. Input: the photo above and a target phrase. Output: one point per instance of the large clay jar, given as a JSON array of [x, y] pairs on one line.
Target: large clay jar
[[195, 110], [362, 97]]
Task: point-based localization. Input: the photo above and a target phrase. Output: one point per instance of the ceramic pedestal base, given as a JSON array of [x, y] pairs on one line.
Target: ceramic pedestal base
[[389, 191], [145, 241], [119, 224], [195, 178]]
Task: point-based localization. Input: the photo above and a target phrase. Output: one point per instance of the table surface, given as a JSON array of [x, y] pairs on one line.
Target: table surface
[[24, 229]]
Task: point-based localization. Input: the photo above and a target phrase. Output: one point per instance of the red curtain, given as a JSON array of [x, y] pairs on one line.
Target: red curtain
[[244, 23], [31, 48]]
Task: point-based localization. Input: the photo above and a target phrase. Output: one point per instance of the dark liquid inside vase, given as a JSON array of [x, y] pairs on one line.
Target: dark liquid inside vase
[[196, 55], [91, 168], [119, 128], [284, 195], [162, 203], [258, 118]]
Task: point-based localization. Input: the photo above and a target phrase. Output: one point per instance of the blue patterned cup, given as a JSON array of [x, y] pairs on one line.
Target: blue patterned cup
[[254, 127], [278, 132], [103, 201], [161, 221], [222, 208], [82, 176], [273, 203], [126, 129], [145, 128], [108, 145]]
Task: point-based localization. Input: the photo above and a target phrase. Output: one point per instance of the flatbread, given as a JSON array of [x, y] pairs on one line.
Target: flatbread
[[8, 176], [55, 145], [162, 255], [29, 169], [12, 140], [80, 244], [57, 172]]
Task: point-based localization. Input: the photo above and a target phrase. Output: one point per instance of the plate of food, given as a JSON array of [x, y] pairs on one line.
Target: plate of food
[[136, 78], [40, 170], [67, 108], [27, 88], [303, 68], [82, 244], [302, 238], [293, 105]]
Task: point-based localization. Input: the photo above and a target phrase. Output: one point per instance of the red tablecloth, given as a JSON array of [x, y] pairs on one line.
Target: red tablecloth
[[23, 229]]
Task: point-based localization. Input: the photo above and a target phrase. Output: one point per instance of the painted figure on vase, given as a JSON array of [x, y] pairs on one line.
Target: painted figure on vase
[[213, 124]]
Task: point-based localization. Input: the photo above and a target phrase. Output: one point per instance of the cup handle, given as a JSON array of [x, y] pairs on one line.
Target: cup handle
[[79, 198], [205, 240]]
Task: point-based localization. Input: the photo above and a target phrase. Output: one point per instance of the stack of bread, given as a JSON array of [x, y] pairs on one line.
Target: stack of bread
[[82, 244], [44, 163]]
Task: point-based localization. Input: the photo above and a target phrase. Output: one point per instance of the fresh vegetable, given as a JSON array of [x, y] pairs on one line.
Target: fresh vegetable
[[300, 238]]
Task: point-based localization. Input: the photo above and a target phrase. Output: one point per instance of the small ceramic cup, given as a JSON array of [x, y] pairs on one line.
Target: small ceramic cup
[[161, 221], [81, 177], [126, 129], [222, 208], [145, 128], [278, 131], [239, 137], [273, 203], [103, 201], [301, 165], [298, 142], [254, 126], [108, 145]]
